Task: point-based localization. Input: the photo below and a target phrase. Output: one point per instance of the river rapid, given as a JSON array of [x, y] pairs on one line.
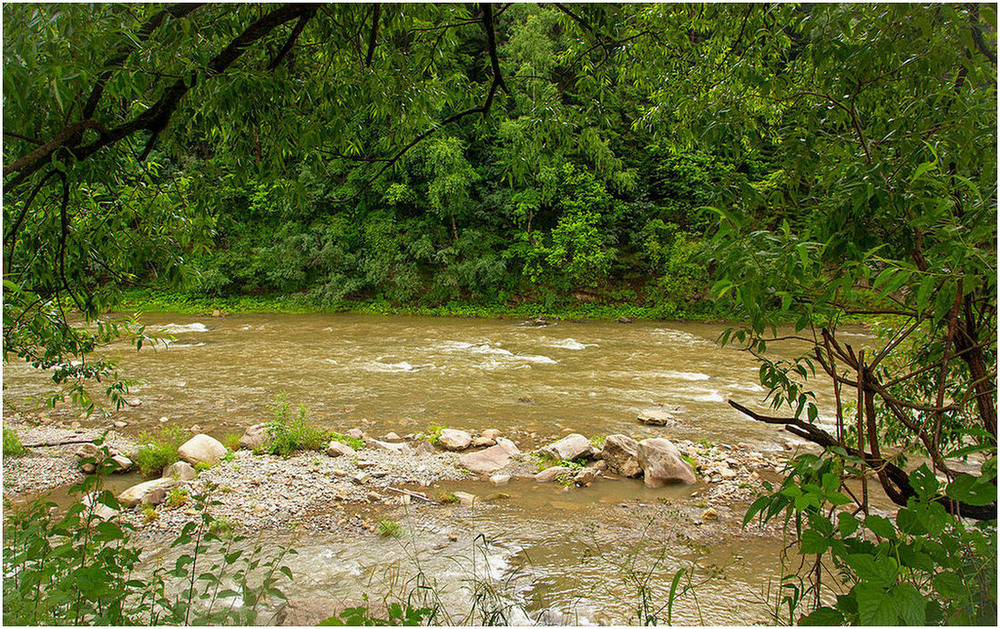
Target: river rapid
[[573, 556]]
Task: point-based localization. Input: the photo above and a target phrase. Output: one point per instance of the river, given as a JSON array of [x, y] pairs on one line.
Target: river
[[575, 553]]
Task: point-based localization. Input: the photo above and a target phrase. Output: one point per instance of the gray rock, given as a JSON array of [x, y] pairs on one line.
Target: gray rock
[[491, 433], [452, 439], [549, 475], [134, 494], [483, 442], [180, 471], [202, 449], [621, 453], [154, 497], [485, 461], [508, 445], [392, 437], [662, 464], [465, 498], [388, 447], [425, 449], [89, 451], [499, 479], [569, 447], [355, 433], [361, 478], [584, 477], [655, 417], [255, 437], [337, 448], [124, 463], [88, 468]]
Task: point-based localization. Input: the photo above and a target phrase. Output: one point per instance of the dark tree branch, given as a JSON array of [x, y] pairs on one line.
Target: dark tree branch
[[292, 37], [373, 37], [483, 109], [901, 490], [156, 118], [12, 234], [116, 62], [23, 137], [601, 41], [977, 34]]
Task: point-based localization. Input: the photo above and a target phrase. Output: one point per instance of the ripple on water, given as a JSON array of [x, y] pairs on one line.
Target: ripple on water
[[175, 328], [570, 343]]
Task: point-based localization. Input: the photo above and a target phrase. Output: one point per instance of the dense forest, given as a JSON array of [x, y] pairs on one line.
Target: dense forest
[[774, 165]]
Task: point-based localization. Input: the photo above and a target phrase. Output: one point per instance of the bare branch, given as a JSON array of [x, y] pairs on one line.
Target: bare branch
[[373, 37]]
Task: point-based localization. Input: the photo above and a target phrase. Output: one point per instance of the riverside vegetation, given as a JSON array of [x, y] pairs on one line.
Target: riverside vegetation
[[776, 165]]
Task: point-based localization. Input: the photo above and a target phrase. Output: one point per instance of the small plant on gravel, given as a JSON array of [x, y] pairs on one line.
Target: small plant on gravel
[[158, 452], [598, 442], [178, 496], [389, 528], [12, 444], [434, 434], [356, 444], [201, 466], [232, 441], [149, 513], [287, 433], [448, 498]]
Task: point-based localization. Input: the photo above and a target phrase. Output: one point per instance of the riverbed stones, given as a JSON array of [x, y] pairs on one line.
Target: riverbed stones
[[337, 448], [254, 437], [202, 449], [491, 433], [454, 440], [662, 464], [134, 494], [584, 477], [499, 479], [180, 471], [361, 478], [621, 453], [154, 497], [391, 437], [554, 473], [655, 417], [569, 447], [485, 461], [123, 462]]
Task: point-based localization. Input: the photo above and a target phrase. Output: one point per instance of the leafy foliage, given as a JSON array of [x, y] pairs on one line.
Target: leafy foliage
[[77, 568], [156, 453], [287, 434], [12, 443]]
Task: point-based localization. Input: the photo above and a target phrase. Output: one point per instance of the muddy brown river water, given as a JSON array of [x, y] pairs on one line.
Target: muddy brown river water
[[548, 549]]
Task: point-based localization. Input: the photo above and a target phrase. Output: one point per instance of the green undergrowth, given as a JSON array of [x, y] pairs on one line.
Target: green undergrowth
[[289, 432], [12, 443], [151, 300], [158, 451]]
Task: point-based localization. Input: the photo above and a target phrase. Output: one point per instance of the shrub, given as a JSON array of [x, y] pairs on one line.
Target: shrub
[[12, 444], [159, 452], [434, 431], [356, 444], [178, 496], [287, 434]]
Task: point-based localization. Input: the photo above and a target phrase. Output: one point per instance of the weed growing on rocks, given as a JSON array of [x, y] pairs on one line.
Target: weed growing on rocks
[[12, 444], [287, 433], [158, 452]]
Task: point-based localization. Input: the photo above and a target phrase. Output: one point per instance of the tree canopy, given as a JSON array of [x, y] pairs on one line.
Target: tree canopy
[[793, 167]]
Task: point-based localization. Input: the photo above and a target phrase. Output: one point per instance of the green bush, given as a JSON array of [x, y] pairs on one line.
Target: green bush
[[389, 528], [287, 434], [75, 569], [157, 453], [12, 444]]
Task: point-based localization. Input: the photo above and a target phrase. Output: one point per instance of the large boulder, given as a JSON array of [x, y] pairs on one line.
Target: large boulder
[[621, 453], [485, 461], [180, 471], [662, 464], [100, 510], [135, 494], [255, 437], [655, 417], [201, 449], [568, 448], [452, 439], [337, 448]]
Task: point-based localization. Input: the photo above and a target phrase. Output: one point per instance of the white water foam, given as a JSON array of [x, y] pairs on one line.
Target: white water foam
[[173, 345], [496, 356], [709, 396], [173, 328], [690, 376], [570, 343]]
